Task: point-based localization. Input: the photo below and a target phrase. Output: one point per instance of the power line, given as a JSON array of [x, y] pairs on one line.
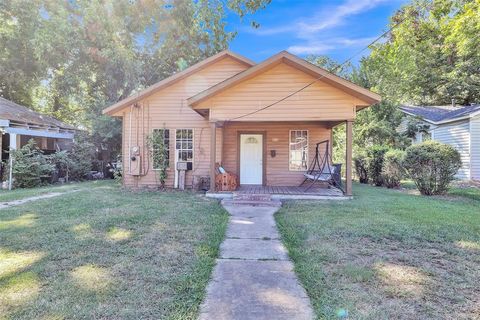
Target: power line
[[323, 76]]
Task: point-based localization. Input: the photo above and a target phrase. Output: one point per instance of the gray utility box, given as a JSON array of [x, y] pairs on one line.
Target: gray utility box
[[181, 167]]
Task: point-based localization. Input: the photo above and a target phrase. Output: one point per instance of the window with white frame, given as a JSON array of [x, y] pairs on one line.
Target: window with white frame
[[184, 145], [298, 150], [157, 147]]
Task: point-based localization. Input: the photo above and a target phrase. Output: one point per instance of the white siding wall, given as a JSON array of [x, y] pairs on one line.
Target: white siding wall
[[475, 148], [457, 135], [419, 137]]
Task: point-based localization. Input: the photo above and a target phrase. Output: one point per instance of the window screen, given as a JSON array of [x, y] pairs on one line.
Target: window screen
[[298, 150]]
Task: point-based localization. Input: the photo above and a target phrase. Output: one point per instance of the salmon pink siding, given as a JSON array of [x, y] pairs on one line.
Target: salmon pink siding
[[320, 101], [228, 92], [276, 138], [168, 109]]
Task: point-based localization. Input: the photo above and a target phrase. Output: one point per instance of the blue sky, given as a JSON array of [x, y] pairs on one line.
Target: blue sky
[[337, 28]]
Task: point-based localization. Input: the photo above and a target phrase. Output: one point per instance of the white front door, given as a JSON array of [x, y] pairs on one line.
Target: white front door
[[251, 159]]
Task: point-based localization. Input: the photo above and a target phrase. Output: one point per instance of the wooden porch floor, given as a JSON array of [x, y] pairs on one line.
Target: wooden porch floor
[[273, 190]]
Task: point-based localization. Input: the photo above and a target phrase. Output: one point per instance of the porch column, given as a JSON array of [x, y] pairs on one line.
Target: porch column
[[213, 153], [14, 144], [348, 158]]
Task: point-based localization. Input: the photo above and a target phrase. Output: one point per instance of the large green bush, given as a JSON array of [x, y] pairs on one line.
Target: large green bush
[[31, 167], [61, 161], [81, 158], [375, 163], [432, 166], [361, 167], [393, 171]]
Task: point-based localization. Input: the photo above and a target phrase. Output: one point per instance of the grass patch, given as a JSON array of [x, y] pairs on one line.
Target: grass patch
[[106, 253], [470, 190], [386, 254]]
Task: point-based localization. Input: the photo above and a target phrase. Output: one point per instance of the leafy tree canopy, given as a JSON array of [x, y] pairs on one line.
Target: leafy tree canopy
[[71, 59], [432, 57]]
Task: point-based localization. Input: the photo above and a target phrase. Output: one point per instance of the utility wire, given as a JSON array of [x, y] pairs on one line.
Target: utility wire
[[323, 76]]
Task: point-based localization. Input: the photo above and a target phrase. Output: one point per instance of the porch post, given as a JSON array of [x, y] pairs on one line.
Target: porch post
[[348, 158], [213, 153], [14, 139]]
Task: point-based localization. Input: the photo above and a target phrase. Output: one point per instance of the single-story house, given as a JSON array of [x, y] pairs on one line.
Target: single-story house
[[19, 124], [261, 122], [458, 126]]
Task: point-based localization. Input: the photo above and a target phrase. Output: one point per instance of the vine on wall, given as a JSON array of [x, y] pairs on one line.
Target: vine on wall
[[159, 152]]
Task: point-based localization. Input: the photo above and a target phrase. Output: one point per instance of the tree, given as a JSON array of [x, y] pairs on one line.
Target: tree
[[327, 63], [71, 59], [373, 126], [432, 56]]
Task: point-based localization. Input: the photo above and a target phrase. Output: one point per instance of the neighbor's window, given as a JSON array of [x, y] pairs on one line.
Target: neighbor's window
[[165, 133], [298, 150], [184, 145]]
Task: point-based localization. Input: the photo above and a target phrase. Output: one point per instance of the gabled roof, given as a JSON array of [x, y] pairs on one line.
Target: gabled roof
[[175, 78], [12, 111], [323, 75], [442, 114]]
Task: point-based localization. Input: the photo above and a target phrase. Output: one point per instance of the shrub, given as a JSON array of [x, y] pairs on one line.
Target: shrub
[[80, 158], [432, 166], [375, 164], [61, 163], [361, 162], [31, 167], [393, 171], [159, 153]]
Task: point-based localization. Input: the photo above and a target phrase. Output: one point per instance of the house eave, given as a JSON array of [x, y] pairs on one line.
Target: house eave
[[321, 74], [115, 108]]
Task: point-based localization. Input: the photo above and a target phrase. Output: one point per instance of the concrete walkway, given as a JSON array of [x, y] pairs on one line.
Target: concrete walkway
[[254, 278], [13, 203]]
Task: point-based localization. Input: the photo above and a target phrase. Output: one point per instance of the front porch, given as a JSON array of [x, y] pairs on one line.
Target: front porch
[[282, 193], [272, 158]]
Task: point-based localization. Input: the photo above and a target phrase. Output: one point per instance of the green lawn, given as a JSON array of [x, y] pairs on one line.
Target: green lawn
[[458, 188], [105, 253], [387, 254]]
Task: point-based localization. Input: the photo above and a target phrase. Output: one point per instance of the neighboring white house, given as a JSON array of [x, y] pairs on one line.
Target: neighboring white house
[[458, 126]]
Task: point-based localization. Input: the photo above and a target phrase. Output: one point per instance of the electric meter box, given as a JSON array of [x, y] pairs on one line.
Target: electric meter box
[[182, 165]]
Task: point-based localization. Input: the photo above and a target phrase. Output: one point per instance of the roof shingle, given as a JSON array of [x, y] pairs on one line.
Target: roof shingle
[[441, 113], [9, 110]]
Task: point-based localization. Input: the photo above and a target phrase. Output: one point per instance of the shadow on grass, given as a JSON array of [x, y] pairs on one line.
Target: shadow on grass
[[386, 254], [108, 254]]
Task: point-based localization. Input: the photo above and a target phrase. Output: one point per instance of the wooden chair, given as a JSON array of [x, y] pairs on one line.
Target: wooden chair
[[225, 181]]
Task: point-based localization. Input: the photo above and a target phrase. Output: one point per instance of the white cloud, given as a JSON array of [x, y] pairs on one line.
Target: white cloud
[[316, 47], [310, 49], [336, 16], [324, 18]]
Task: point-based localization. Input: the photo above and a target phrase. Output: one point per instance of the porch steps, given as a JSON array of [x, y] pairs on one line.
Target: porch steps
[[260, 200], [241, 196]]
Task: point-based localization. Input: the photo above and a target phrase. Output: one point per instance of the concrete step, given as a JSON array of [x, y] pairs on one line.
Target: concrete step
[[270, 203], [237, 196]]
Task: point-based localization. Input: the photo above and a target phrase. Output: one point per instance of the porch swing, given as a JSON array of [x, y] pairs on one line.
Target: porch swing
[[322, 169]]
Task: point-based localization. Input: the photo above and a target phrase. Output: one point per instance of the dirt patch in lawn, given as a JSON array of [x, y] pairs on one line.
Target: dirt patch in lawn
[[390, 279]]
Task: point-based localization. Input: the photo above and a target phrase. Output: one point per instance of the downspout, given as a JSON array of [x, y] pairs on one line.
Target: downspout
[[130, 142]]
